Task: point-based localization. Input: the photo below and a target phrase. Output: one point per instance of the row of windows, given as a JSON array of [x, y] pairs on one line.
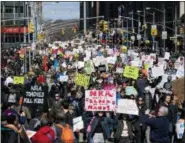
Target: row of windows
[[9, 9], [14, 38], [11, 23]]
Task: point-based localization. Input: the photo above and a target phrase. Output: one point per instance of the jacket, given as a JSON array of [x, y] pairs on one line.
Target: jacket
[[119, 130], [44, 135], [105, 125], [159, 129]]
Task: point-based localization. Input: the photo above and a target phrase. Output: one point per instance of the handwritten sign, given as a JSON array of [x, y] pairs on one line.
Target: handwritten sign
[[180, 130], [18, 80], [35, 95], [130, 90], [157, 71], [82, 80], [63, 78], [100, 100], [119, 70], [78, 123], [127, 106], [131, 72]]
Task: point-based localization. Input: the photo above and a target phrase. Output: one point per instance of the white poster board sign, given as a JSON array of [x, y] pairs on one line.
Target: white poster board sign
[[180, 130], [180, 72], [63, 78], [100, 100], [166, 55], [119, 70], [127, 106], [157, 71], [78, 123]]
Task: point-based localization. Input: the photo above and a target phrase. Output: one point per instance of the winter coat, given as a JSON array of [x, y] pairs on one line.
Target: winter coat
[[44, 135], [120, 127], [159, 129], [105, 126]]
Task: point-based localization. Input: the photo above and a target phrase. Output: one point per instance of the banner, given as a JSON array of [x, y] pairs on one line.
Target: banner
[[100, 100], [127, 106], [131, 72], [35, 95], [18, 80], [82, 80]]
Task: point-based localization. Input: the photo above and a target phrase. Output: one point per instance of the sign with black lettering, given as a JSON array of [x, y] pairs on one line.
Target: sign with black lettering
[[35, 95], [102, 68]]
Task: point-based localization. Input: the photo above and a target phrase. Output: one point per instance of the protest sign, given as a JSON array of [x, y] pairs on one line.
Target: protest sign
[[35, 95], [80, 64], [131, 72], [123, 49], [89, 67], [100, 100], [78, 123], [130, 90], [109, 87], [180, 72], [127, 106], [82, 80], [119, 70], [111, 60], [135, 63], [18, 80], [157, 71], [166, 55], [180, 130], [102, 68], [63, 78], [30, 133], [153, 56], [177, 65]]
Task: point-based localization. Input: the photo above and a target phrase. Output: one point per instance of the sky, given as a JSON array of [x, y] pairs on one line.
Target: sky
[[61, 10]]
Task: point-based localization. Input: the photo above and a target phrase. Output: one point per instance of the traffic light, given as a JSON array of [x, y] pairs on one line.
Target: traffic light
[[105, 26], [31, 28], [101, 25], [181, 30]]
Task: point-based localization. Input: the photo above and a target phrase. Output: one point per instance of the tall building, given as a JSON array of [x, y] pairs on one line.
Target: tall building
[[13, 23], [109, 9]]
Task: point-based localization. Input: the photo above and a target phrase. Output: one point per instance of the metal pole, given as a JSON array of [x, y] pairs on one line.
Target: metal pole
[[85, 17], [154, 35], [164, 20], [25, 64], [139, 29], [28, 22], [127, 34], [144, 22], [175, 28], [132, 21]]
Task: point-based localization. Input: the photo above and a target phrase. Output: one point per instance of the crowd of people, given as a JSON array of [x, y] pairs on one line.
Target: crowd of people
[[51, 118]]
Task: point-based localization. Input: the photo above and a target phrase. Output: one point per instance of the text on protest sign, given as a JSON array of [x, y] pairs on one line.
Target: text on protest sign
[[35, 95], [82, 80], [100, 100], [127, 106], [131, 72], [18, 80], [78, 123]]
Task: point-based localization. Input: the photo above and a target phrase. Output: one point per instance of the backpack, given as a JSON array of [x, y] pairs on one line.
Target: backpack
[[67, 135]]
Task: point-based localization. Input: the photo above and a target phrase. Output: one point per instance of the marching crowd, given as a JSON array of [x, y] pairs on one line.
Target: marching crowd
[[51, 116]]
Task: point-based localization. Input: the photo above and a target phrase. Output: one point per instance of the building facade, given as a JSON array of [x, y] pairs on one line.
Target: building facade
[[14, 26]]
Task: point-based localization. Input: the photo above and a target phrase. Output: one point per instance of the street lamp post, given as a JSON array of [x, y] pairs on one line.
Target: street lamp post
[[164, 22]]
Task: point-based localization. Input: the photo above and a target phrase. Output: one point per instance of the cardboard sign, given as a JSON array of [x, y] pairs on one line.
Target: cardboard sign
[[180, 72], [35, 95], [63, 78], [82, 80], [119, 70], [111, 60], [157, 71], [102, 68], [127, 106], [166, 55], [18, 80], [78, 123], [130, 90], [131, 72], [100, 100], [180, 130]]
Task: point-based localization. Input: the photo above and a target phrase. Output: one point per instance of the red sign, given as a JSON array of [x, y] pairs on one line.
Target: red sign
[[13, 30]]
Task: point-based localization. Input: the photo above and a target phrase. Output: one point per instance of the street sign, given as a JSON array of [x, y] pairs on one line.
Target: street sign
[[164, 35], [132, 38], [138, 36], [154, 30]]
